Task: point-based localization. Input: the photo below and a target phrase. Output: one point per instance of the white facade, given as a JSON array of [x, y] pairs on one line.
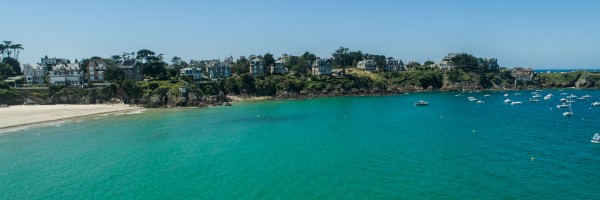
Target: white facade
[[66, 74], [368, 65]]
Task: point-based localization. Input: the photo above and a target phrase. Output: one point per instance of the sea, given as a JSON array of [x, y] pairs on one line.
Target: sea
[[381, 147]]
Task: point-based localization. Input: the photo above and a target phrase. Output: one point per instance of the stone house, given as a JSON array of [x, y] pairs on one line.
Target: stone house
[[96, 71], [278, 68], [394, 65], [522, 74], [322, 66], [130, 70], [216, 69], [257, 67]]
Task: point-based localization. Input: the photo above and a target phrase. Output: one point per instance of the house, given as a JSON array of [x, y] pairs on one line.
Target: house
[[322, 66], [96, 71], [194, 72], [66, 74], [34, 74], [130, 70], [278, 68], [257, 67], [216, 69], [522, 74], [368, 65], [50, 62], [394, 65], [446, 62]]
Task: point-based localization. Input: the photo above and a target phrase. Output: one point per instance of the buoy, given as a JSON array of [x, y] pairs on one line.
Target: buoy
[[473, 130], [257, 115], [532, 158], [441, 117], [345, 116]]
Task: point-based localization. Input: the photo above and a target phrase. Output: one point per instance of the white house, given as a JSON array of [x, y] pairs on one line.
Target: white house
[[66, 74], [34, 74], [368, 65], [194, 72]]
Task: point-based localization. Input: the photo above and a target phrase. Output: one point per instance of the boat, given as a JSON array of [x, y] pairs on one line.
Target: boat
[[547, 97], [596, 138], [480, 102], [472, 99], [587, 96], [570, 112], [582, 98], [534, 100], [507, 101], [563, 94], [516, 103], [422, 103], [564, 105], [563, 100], [518, 93], [506, 94], [596, 104], [487, 95], [537, 96]]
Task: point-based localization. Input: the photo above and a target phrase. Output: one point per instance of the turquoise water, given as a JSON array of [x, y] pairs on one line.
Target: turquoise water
[[328, 148]]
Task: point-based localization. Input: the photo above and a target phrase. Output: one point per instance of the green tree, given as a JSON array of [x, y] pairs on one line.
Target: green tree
[[380, 61], [427, 63], [466, 62], [115, 75], [14, 63], [268, 61], [341, 58]]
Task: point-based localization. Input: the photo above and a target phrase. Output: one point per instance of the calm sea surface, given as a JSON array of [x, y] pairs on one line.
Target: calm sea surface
[[328, 148]]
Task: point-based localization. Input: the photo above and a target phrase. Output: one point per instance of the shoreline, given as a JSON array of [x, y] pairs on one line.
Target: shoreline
[[26, 115]]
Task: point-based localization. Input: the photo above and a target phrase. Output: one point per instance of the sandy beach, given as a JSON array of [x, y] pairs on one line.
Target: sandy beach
[[15, 116]]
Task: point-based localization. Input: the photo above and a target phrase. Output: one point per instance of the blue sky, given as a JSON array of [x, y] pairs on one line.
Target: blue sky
[[537, 34]]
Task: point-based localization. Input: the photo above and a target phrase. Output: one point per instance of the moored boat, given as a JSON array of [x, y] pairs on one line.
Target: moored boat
[[516, 103], [596, 138], [422, 103]]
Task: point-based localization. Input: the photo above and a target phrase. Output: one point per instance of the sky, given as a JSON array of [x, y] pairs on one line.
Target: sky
[[538, 34]]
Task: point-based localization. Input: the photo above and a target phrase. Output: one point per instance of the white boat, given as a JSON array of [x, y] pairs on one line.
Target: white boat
[[587, 96], [472, 99], [547, 97], [487, 95], [563, 100], [564, 105], [480, 102], [563, 94], [422, 103], [581, 98], [570, 112], [534, 100], [516, 103], [507, 101], [572, 96], [596, 104], [596, 138], [506, 94], [537, 96]]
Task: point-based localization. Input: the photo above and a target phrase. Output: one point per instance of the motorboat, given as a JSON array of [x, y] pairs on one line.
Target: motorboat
[[507, 101], [516, 103], [422, 103]]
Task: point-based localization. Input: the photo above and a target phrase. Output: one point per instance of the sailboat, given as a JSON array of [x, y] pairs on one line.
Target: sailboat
[[570, 112], [596, 138]]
